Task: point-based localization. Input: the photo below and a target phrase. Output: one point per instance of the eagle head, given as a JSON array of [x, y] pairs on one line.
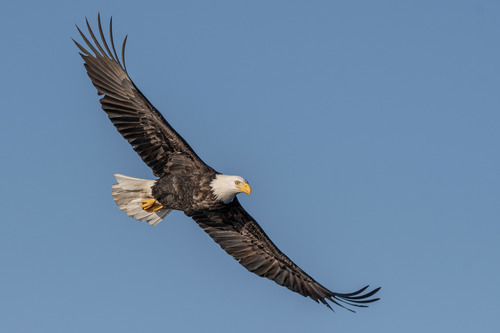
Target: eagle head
[[225, 187]]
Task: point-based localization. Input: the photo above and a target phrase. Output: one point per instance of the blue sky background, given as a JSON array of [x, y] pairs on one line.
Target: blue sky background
[[369, 131]]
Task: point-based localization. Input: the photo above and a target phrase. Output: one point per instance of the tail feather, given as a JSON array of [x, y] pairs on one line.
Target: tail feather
[[128, 194]]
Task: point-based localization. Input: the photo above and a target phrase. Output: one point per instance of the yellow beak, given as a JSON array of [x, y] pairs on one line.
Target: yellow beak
[[244, 188]]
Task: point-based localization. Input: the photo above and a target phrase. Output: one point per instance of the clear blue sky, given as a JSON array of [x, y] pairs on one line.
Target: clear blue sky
[[369, 131]]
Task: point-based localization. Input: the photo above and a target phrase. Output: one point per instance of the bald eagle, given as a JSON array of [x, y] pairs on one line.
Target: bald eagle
[[186, 183]]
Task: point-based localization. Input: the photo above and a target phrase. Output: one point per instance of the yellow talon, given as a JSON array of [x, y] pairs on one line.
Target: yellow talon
[[151, 205]]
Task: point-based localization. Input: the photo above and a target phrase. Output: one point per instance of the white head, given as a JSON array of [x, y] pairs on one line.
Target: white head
[[225, 187]]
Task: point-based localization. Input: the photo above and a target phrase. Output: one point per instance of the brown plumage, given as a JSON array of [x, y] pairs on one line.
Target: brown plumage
[[186, 183]]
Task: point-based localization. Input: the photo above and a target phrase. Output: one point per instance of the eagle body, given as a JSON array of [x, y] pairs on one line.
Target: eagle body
[[186, 183], [186, 192]]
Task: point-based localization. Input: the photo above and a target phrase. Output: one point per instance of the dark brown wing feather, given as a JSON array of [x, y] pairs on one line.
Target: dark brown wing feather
[[241, 237], [129, 110]]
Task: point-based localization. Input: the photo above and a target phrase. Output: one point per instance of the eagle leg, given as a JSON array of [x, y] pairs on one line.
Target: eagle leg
[[151, 205]]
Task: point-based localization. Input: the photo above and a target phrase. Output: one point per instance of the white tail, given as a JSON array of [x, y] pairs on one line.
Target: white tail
[[128, 194]]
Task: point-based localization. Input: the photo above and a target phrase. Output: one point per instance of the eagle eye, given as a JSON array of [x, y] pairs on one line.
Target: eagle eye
[[237, 182]]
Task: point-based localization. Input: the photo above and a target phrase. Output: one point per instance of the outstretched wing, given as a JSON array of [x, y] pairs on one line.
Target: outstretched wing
[[241, 237], [156, 142]]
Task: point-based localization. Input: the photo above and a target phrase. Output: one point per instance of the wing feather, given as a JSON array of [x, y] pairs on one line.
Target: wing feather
[[242, 238], [133, 115]]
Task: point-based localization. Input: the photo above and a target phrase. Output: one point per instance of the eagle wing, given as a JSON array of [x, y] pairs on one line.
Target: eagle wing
[[137, 120], [242, 238]]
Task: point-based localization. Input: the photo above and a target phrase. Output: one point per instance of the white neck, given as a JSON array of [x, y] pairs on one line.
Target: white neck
[[223, 187]]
